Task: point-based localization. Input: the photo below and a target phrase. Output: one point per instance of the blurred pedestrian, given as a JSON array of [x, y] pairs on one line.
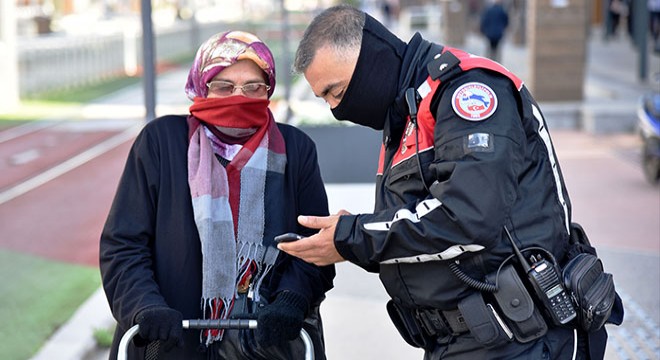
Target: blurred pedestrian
[[390, 11], [616, 11], [493, 24], [654, 23], [190, 232]]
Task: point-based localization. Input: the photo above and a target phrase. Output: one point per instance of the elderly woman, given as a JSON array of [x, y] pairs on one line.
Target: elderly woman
[[190, 232]]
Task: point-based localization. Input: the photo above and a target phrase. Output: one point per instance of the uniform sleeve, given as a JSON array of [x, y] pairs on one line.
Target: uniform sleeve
[[474, 184], [302, 277], [125, 256]]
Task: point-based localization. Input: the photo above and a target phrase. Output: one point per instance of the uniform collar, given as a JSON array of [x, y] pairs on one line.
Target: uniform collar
[[413, 72]]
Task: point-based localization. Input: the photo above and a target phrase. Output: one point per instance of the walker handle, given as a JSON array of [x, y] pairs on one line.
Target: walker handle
[[212, 324]]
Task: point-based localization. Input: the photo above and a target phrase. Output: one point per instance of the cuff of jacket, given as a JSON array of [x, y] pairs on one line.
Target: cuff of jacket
[[343, 235]]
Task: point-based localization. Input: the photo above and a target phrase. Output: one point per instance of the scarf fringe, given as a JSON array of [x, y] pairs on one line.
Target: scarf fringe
[[215, 308]]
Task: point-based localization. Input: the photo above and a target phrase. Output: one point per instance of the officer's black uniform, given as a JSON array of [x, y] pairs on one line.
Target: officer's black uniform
[[488, 162]]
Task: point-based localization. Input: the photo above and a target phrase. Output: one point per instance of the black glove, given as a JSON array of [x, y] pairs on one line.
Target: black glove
[[282, 320], [161, 323]]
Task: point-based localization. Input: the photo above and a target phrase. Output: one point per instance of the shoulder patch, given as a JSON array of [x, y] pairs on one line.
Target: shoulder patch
[[474, 101]]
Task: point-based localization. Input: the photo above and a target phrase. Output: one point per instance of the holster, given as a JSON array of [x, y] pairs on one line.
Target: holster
[[408, 328], [523, 318], [482, 321]]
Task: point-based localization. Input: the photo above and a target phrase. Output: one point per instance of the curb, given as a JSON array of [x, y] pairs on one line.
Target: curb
[[75, 339]]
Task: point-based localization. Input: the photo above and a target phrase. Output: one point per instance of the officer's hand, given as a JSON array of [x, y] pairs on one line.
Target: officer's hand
[[320, 248], [161, 323]]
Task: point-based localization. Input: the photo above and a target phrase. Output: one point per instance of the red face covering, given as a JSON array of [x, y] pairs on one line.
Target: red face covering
[[233, 119]]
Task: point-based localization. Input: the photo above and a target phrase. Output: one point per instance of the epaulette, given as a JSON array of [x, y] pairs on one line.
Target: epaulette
[[443, 66]]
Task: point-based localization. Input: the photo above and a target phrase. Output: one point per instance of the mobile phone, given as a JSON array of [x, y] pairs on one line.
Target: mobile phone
[[288, 237]]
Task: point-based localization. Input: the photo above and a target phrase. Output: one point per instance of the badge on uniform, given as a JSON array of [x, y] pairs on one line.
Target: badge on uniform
[[478, 142], [474, 101]]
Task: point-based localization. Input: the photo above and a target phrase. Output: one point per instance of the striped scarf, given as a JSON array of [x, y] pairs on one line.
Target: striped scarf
[[229, 203]]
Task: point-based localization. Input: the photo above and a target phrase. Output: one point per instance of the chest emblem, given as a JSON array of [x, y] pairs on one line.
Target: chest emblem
[[474, 101], [410, 127]]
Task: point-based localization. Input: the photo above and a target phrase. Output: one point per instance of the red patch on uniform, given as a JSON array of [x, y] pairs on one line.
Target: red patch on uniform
[[474, 101]]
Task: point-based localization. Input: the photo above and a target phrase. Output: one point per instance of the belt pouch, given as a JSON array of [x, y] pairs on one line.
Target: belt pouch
[[404, 322], [524, 319], [592, 288], [481, 321]]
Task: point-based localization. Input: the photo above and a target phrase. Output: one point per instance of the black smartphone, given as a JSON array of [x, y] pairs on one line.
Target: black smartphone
[[288, 237]]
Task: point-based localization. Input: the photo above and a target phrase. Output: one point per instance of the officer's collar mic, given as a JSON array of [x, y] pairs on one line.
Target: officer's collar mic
[[412, 99]]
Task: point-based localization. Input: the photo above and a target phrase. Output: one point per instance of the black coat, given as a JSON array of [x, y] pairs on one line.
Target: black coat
[[512, 179], [150, 251], [516, 182]]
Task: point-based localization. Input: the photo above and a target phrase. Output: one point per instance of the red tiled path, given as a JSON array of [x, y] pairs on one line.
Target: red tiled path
[[61, 219]]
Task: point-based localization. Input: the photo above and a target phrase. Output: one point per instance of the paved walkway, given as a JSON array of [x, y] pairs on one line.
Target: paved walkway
[[611, 87]]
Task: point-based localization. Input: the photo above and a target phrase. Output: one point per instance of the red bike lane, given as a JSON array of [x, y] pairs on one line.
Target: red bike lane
[[31, 154], [62, 218]]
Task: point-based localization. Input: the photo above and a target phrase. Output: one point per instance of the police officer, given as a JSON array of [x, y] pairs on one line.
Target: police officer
[[466, 160]]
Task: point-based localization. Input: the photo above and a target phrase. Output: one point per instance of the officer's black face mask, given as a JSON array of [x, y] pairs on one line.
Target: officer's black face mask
[[374, 83]]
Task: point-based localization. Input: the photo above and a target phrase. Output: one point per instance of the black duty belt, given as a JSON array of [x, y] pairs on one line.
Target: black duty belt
[[440, 323]]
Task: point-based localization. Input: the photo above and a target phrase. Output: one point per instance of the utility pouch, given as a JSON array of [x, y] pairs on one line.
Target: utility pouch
[[592, 289], [524, 319], [408, 329], [483, 322]]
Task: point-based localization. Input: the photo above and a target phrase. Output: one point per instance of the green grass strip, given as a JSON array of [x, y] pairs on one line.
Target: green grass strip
[[37, 296], [84, 94], [60, 103], [30, 110]]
